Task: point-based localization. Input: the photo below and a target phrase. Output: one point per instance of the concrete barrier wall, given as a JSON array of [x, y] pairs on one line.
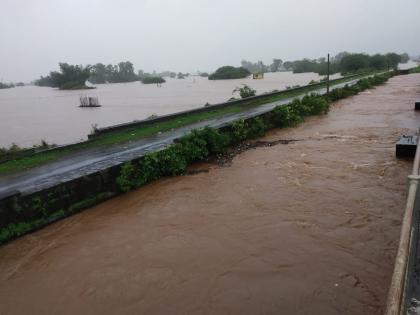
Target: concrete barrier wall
[[19, 207]]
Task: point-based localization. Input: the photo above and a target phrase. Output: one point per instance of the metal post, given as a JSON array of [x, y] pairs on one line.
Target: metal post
[[328, 74]]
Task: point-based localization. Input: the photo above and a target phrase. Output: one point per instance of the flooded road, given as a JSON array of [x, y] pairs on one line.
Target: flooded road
[[310, 227], [29, 114]]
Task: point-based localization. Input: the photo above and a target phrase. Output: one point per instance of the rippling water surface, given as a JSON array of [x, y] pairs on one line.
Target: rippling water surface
[[311, 227]]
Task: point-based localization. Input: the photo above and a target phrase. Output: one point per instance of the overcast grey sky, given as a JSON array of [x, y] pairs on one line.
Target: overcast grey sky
[[190, 35]]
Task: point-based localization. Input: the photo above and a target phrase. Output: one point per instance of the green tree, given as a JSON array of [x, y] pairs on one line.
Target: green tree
[[276, 65], [126, 72], [404, 58], [257, 67], [288, 65], [99, 74], [354, 62], [229, 72], [378, 62], [393, 60], [69, 77]]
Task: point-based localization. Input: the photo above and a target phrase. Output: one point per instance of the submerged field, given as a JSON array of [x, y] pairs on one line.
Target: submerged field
[[32, 113]]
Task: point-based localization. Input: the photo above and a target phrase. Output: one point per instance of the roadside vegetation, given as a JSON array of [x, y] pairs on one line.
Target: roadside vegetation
[[415, 70], [14, 151], [200, 144], [136, 133], [15, 230]]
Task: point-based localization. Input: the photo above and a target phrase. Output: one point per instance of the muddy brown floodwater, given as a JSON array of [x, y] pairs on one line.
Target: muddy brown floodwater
[[309, 227]]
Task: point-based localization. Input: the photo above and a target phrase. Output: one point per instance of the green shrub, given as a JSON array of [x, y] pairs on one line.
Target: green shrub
[[285, 116], [171, 161], [194, 147], [315, 104], [128, 177], [415, 70], [280, 116], [216, 141], [245, 91], [364, 84], [256, 128], [174, 159], [299, 107], [239, 130], [335, 95], [294, 114]]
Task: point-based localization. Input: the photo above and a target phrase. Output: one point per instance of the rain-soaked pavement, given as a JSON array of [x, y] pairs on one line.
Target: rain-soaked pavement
[[310, 227]]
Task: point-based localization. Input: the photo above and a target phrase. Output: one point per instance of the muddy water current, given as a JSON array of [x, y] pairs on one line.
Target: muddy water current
[[300, 227]]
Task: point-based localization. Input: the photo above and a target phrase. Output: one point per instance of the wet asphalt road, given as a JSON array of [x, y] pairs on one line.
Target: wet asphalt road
[[88, 161]]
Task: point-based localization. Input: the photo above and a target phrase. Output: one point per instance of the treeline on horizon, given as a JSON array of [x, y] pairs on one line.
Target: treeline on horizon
[[10, 85], [343, 62], [75, 76]]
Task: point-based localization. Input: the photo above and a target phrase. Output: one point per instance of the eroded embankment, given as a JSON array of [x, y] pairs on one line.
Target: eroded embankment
[[310, 227]]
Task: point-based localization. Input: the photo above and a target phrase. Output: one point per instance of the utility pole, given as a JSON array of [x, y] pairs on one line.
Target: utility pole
[[328, 74]]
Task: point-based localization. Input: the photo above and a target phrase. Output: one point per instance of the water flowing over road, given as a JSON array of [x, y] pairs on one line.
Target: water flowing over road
[[309, 227]]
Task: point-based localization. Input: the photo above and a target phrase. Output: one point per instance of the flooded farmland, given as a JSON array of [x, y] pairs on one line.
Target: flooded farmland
[[309, 227], [29, 114]]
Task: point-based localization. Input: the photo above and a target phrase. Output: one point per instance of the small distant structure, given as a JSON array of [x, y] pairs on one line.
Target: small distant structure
[[257, 76], [89, 101]]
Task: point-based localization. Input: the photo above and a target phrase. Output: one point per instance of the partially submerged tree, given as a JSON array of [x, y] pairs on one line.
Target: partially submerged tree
[[6, 86], [153, 80], [99, 74], [122, 72], [276, 65], [70, 77], [255, 67], [404, 58], [229, 72]]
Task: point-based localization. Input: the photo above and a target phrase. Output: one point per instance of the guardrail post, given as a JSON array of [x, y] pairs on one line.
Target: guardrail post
[[328, 74]]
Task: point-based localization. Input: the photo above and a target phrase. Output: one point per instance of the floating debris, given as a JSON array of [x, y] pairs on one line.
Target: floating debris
[[89, 101]]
